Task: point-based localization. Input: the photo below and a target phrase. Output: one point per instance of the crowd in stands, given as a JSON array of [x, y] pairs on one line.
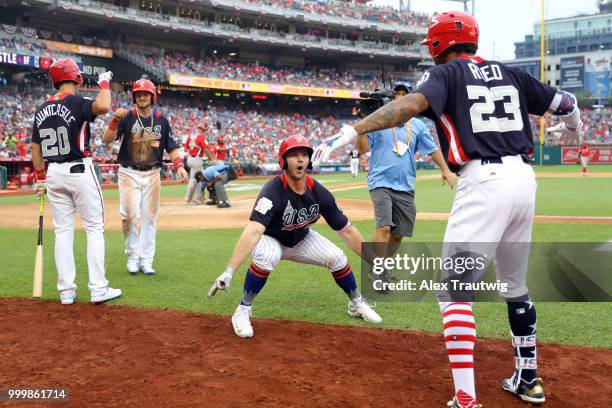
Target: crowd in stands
[[352, 9], [252, 136], [242, 71], [21, 44]]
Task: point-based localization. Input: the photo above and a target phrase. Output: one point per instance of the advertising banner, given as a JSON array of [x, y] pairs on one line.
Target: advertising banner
[[79, 49], [531, 67], [12, 58], [569, 155], [572, 73], [261, 87]]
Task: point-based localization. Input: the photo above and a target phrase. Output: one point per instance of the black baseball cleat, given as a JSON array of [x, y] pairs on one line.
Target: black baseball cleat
[[211, 202], [223, 204], [531, 392]]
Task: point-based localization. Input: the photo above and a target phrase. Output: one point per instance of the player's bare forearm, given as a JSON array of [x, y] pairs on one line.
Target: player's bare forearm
[[174, 154], [102, 103], [352, 237], [393, 114], [447, 174], [37, 159], [250, 237], [209, 155], [109, 136]]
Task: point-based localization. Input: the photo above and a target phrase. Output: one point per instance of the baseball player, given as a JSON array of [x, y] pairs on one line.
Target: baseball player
[[221, 151], [354, 161], [278, 229], [25, 178], [196, 147], [145, 134], [61, 136], [584, 154], [481, 111]]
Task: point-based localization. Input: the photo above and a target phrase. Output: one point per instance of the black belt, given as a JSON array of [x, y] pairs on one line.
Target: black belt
[[140, 168]]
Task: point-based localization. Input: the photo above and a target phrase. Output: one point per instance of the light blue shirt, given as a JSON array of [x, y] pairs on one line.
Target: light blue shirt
[[213, 171], [391, 171]]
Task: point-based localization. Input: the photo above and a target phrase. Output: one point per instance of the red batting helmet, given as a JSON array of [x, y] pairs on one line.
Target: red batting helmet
[[450, 28], [65, 70], [292, 142], [144, 85]]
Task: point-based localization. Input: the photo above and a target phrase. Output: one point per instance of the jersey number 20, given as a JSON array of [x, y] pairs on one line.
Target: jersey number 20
[[492, 123], [54, 142]]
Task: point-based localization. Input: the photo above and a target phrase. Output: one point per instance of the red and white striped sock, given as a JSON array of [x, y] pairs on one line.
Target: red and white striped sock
[[460, 337]]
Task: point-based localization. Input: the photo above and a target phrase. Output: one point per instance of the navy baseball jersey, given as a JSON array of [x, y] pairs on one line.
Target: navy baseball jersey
[[481, 108], [287, 215], [61, 127], [144, 139]]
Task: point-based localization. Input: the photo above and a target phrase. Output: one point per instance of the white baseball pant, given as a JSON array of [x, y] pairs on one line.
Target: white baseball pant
[[314, 249], [139, 195], [195, 164], [494, 204], [69, 192], [355, 167]]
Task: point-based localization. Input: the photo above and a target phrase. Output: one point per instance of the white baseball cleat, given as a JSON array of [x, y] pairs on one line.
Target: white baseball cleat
[[361, 308], [241, 320], [67, 297], [102, 295], [132, 266], [147, 270]]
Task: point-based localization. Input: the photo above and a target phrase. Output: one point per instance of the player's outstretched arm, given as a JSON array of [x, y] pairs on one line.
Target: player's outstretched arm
[[352, 237], [392, 114], [245, 245], [102, 103]]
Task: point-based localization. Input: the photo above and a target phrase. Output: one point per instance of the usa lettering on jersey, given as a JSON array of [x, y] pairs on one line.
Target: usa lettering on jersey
[[293, 219]]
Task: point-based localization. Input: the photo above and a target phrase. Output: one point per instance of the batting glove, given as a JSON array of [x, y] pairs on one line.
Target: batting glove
[[40, 188], [321, 154], [222, 282], [105, 77]]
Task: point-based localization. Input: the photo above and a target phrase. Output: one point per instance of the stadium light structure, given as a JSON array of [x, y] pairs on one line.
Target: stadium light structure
[[465, 5]]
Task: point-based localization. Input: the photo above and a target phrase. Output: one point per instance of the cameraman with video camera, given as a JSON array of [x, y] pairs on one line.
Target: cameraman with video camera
[[393, 169]]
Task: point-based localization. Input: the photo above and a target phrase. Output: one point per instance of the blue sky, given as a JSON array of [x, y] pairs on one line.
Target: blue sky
[[502, 23]]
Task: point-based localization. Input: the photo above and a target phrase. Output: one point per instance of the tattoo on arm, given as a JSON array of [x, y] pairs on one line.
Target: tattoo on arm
[[393, 114]]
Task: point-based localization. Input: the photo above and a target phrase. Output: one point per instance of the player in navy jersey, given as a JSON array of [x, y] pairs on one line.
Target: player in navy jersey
[[60, 135], [279, 229], [481, 112]]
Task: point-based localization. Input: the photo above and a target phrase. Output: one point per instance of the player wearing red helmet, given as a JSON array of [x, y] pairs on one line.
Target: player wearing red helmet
[[196, 148], [279, 229], [60, 135], [145, 134], [481, 109]]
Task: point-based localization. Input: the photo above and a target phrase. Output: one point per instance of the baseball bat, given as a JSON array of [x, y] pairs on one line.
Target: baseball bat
[[38, 264]]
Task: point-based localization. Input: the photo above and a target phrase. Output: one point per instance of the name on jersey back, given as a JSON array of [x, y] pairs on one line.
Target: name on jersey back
[[486, 73], [54, 109]]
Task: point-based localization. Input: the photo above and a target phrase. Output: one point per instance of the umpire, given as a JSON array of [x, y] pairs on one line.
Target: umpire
[[215, 178], [392, 174]]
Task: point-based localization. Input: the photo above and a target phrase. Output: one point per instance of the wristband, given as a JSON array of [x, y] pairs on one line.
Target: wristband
[[178, 162], [41, 175], [104, 85], [112, 125]]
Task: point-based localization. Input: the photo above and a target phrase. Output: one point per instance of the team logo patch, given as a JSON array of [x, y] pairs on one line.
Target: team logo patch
[[263, 205]]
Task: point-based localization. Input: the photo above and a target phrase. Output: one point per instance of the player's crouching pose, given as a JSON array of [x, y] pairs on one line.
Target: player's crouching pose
[[278, 229], [61, 135]]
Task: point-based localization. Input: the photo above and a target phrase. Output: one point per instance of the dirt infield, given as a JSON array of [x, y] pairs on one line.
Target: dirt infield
[[120, 356]]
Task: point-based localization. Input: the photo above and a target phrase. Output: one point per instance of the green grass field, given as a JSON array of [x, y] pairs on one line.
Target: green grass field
[[188, 261]]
